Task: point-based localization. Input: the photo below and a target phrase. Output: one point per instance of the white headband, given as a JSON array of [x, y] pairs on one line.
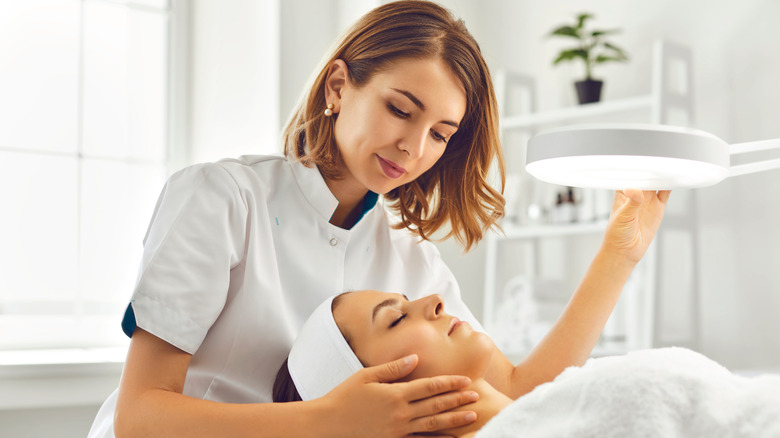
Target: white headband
[[320, 358]]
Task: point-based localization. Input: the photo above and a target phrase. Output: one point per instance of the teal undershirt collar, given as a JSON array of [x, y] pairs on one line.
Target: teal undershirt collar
[[369, 201]]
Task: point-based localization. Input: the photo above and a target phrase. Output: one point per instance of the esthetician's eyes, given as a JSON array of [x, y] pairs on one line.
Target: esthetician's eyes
[[397, 111], [400, 114], [438, 137]]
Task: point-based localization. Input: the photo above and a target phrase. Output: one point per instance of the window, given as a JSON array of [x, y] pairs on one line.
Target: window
[[87, 123]]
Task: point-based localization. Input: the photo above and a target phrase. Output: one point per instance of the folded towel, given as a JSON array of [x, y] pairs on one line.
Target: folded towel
[[667, 392]]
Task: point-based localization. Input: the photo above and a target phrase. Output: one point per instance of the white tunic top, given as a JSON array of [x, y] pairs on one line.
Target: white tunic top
[[240, 252]]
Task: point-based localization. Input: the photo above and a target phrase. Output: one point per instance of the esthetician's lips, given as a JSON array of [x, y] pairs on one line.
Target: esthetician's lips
[[390, 169]]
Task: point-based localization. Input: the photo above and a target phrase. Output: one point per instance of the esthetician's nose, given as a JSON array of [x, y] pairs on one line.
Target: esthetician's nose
[[433, 306], [413, 143]]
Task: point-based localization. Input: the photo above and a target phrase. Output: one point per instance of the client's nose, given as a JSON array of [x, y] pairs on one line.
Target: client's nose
[[434, 306]]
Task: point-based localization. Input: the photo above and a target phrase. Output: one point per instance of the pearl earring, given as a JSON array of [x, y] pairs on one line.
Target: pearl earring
[[329, 110]]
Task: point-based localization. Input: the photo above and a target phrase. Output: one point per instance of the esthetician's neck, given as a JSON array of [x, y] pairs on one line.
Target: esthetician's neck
[[490, 403], [350, 196]]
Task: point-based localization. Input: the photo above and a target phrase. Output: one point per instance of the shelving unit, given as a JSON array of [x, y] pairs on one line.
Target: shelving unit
[[635, 318], [598, 109]]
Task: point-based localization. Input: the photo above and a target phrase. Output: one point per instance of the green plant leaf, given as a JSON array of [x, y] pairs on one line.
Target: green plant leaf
[[581, 18], [618, 51], [566, 31], [571, 54], [600, 59], [590, 44], [599, 33]]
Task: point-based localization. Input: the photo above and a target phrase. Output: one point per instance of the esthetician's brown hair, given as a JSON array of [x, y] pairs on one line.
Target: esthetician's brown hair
[[456, 189]]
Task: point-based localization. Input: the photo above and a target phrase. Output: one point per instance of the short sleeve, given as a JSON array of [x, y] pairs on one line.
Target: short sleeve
[[196, 236]]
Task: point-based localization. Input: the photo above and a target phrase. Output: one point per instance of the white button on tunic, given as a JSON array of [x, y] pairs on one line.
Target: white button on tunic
[[237, 256]]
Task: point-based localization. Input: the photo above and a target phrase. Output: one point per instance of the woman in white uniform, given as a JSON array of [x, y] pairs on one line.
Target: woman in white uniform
[[240, 252]]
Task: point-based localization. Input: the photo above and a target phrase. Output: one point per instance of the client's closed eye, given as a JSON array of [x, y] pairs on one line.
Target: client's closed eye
[[398, 320]]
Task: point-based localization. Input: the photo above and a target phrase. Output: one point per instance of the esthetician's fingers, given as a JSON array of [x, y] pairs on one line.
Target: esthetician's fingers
[[391, 371], [429, 398], [423, 389], [368, 400], [418, 389], [443, 421], [442, 403]]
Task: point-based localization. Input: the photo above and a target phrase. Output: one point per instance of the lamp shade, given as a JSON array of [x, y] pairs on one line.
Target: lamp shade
[[620, 156]]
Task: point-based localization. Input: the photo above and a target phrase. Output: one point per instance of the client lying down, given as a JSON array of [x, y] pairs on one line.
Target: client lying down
[[652, 393]]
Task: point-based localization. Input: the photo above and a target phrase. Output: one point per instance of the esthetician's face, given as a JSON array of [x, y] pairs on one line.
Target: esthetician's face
[[385, 326], [396, 126]]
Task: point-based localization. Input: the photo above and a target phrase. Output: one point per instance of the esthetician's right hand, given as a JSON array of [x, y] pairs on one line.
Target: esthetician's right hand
[[368, 404]]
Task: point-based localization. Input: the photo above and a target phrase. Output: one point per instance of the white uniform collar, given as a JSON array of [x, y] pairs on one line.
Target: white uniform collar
[[317, 193], [314, 188]]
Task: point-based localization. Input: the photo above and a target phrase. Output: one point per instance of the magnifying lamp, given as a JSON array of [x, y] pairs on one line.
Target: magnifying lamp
[[647, 157]]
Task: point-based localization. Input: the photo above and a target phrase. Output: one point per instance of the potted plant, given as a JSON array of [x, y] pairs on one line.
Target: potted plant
[[592, 49]]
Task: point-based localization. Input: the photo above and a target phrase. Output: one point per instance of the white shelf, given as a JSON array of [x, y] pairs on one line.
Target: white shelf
[[512, 231], [563, 115], [669, 102]]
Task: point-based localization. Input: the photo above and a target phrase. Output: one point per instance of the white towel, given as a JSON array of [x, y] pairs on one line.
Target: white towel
[[668, 392], [321, 358]]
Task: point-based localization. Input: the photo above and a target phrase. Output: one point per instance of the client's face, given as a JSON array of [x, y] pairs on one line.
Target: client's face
[[382, 327]]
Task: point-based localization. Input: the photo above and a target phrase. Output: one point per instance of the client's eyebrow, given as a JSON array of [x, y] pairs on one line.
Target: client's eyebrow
[[386, 303]]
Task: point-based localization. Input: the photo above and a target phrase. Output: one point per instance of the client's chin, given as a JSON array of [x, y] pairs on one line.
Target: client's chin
[[471, 356], [476, 356]]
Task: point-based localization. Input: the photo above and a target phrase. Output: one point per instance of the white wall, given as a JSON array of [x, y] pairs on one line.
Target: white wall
[[737, 98], [308, 30], [234, 78]]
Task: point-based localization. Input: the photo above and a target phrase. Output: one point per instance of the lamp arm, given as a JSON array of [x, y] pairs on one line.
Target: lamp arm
[[757, 166]]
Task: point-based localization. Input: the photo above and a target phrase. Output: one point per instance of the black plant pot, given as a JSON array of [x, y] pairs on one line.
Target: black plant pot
[[588, 91]]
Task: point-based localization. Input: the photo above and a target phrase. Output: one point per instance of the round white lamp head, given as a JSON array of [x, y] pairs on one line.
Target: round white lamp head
[[621, 156]]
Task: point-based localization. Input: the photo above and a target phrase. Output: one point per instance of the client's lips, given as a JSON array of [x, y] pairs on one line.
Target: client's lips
[[454, 323], [390, 169]]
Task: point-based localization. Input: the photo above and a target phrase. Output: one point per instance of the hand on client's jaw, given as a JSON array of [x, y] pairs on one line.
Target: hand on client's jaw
[[401, 408], [490, 403]]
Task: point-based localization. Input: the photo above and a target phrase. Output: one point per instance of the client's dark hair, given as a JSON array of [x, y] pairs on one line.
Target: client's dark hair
[[284, 387]]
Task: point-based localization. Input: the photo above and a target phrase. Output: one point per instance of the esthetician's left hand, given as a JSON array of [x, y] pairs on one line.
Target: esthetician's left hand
[[634, 221]]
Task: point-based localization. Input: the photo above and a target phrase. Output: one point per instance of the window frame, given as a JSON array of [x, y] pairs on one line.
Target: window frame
[[78, 346]]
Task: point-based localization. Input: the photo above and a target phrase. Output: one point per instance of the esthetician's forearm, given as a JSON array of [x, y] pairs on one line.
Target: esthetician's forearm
[[163, 413], [572, 338], [150, 402]]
